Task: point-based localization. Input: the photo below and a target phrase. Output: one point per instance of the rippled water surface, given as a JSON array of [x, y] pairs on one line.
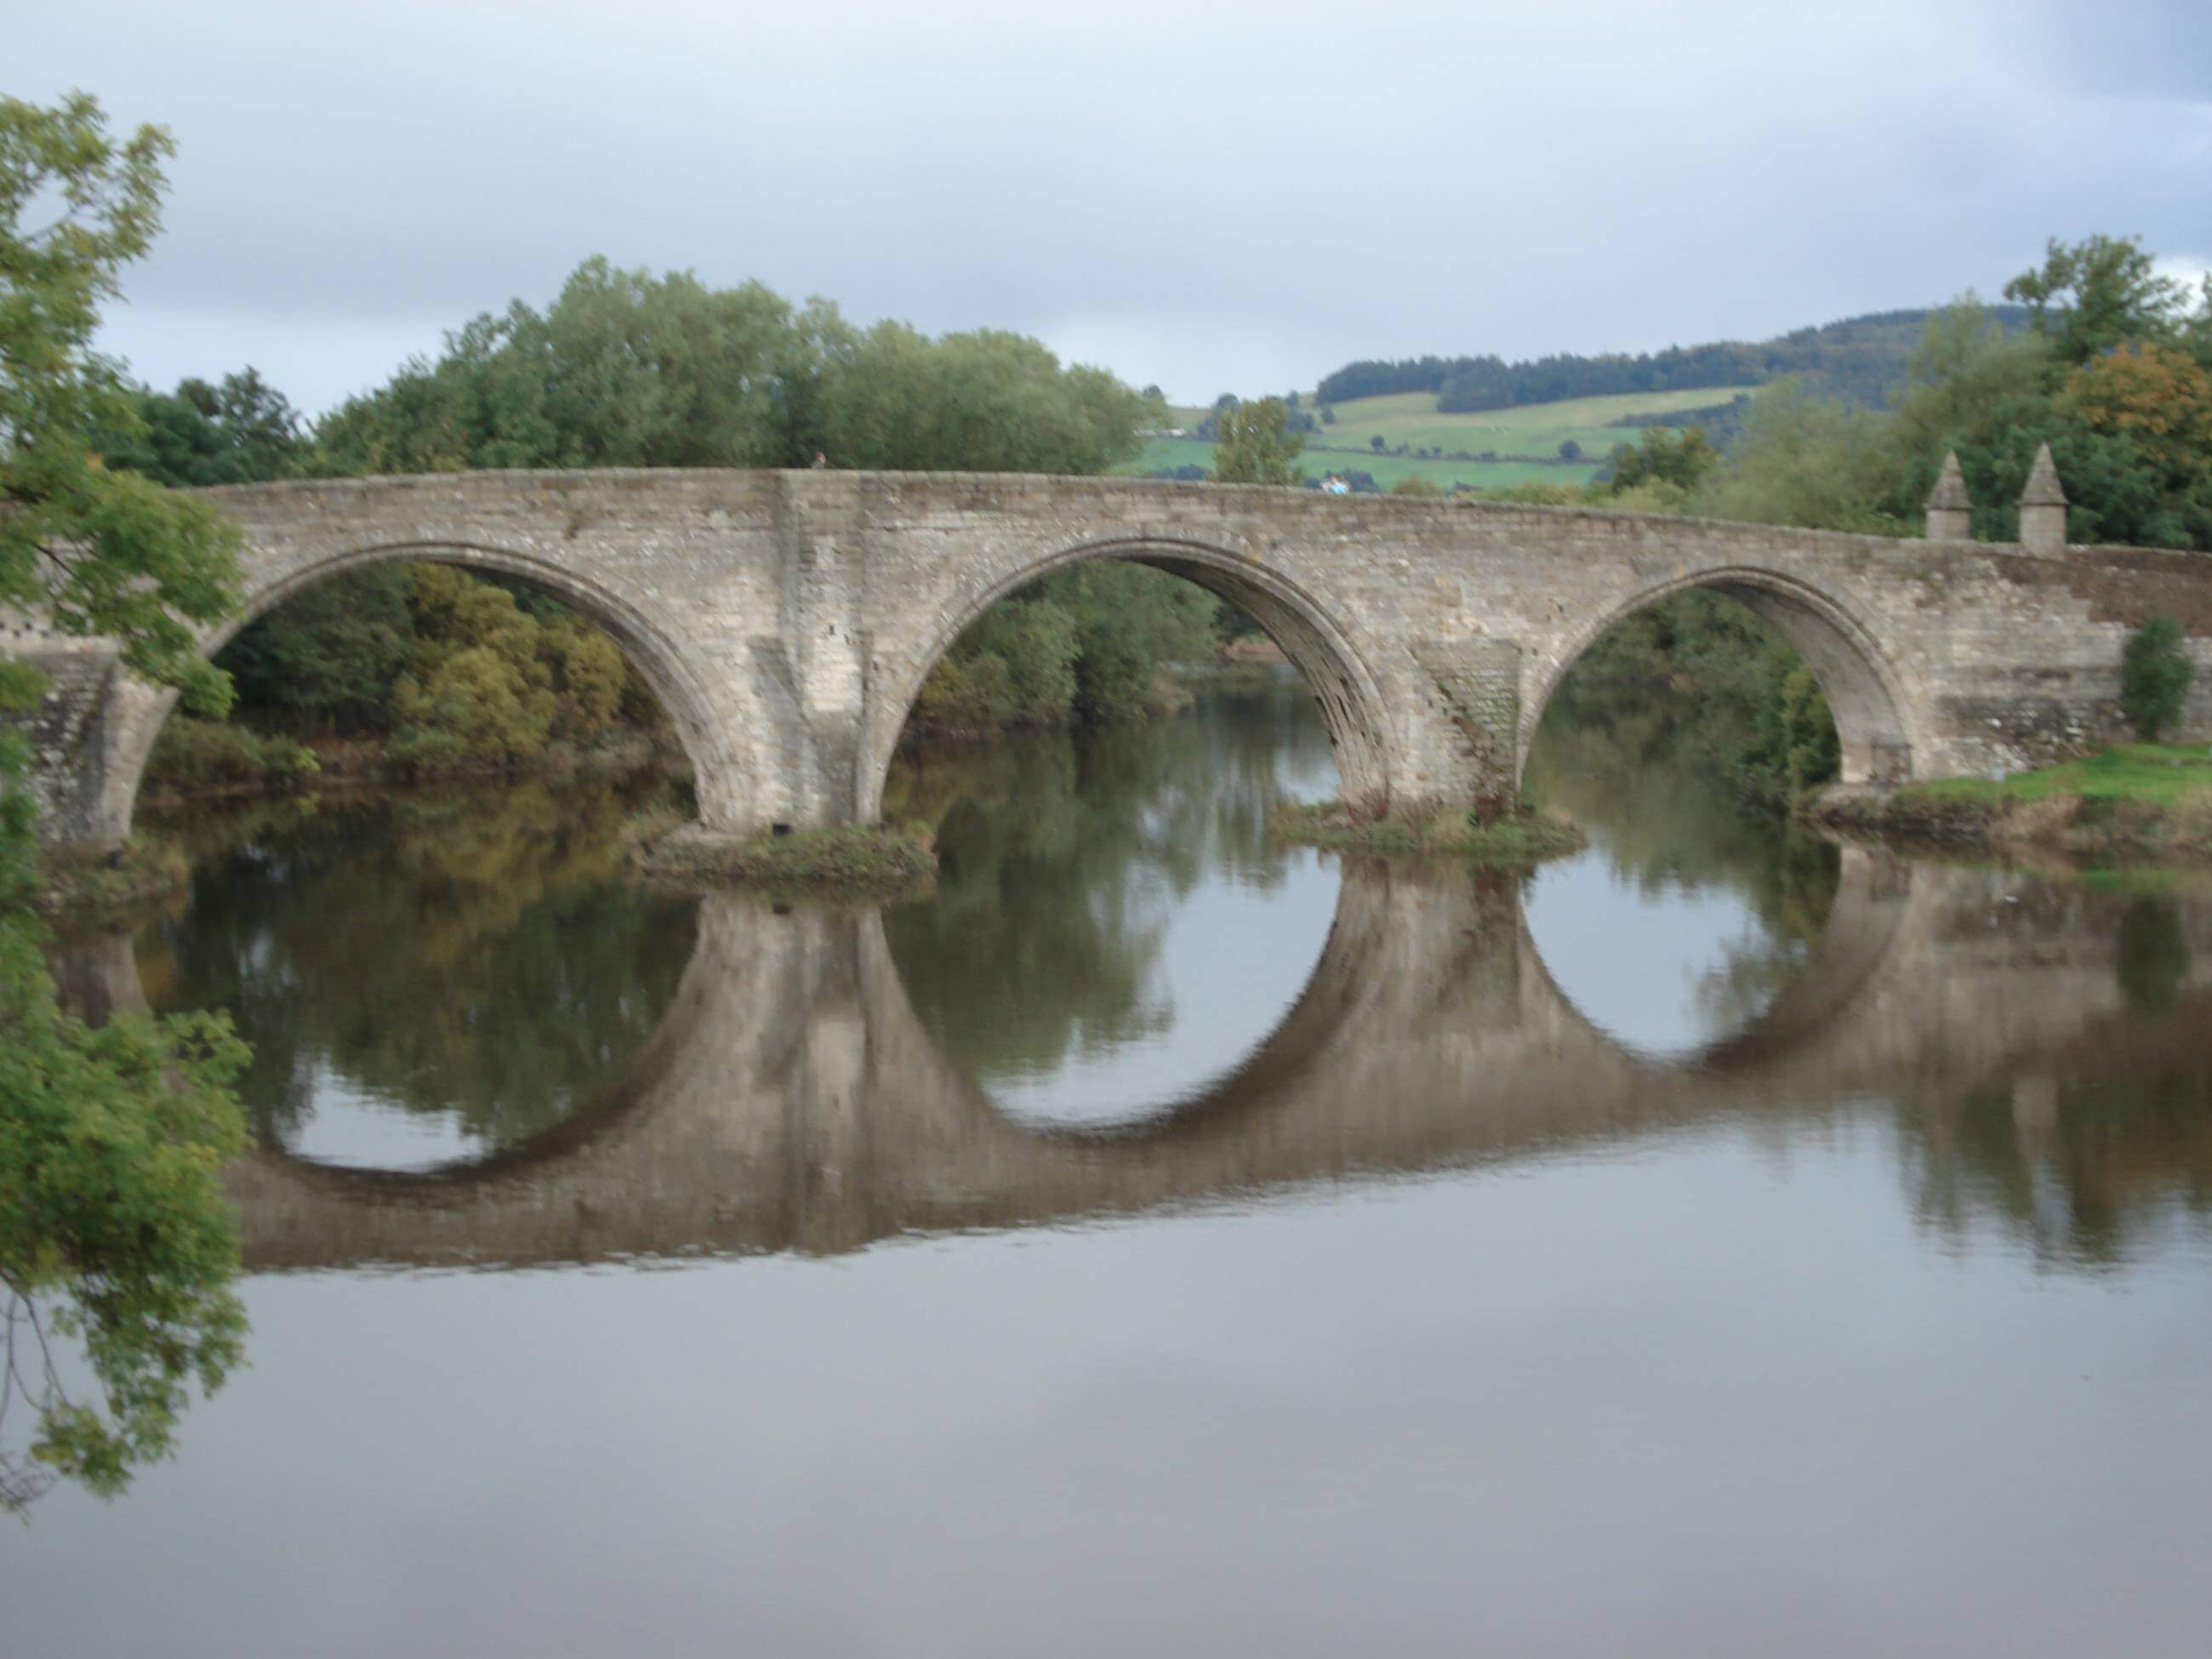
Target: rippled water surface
[[1156, 1238]]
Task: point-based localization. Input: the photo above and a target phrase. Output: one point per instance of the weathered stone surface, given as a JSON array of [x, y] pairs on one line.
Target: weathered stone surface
[[2043, 506], [1950, 511], [788, 619]]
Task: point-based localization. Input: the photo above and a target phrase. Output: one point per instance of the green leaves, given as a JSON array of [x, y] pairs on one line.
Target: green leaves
[[1258, 445], [2155, 675], [630, 369], [114, 1231], [102, 552]]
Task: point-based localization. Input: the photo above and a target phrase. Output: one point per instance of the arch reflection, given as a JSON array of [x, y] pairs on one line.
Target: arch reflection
[[1112, 931], [791, 1099]]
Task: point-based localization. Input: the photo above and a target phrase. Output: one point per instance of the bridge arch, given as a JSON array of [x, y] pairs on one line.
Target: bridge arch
[[1862, 684], [658, 659], [1343, 684]]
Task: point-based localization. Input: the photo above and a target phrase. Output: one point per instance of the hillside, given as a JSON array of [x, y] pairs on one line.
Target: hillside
[[1860, 360], [1483, 422], [1520, 444]]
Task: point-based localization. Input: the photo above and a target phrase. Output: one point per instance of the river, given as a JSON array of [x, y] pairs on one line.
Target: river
[[1157, 1238]]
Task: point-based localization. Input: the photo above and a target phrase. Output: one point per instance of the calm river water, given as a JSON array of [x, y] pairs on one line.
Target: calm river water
[[1159, 1240]]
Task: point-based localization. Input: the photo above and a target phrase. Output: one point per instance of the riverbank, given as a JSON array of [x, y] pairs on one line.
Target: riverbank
[[1524, 837], [2132, 801]]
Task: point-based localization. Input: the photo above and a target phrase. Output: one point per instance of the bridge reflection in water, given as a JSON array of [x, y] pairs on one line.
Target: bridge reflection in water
[[791, 1101]]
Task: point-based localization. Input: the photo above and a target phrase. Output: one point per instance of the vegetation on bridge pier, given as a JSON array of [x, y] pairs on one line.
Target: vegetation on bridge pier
[[1523, 837]]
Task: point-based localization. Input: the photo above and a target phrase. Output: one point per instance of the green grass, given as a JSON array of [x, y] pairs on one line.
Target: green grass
[[1411, 418], [2161, 774], [879, 859], [1159, 454], [2129, 803]]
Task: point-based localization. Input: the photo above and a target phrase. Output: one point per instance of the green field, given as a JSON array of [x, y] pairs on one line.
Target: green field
[[1410, 419], [1163, 452], [1531, 430], [2164, 773]]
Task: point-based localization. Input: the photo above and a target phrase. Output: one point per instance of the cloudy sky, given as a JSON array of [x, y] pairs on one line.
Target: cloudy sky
[[1209, 196]]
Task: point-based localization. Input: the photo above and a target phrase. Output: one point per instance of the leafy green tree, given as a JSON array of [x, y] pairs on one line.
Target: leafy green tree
[[982, 402], [113, 1227], [1806, 462], [1258, 445], [2155, 675], [2102, 291], [324, 661], [1680, 457], [1569, 450], [1377, 443], [241, 431], [629, 369]]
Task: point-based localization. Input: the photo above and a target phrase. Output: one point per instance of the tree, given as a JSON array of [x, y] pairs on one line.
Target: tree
[[1327, 415], [1377, 443], [2155, 675], [1569, 450], [241, 431], [2156, 396], [1681, 458], [1258, 445], [113, 1227], [2090, 295]]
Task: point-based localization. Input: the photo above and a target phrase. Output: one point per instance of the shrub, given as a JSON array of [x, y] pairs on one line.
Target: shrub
[[195, 754], [2154, 674]]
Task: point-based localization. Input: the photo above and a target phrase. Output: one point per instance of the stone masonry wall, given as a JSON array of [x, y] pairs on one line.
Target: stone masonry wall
[[788, 619]]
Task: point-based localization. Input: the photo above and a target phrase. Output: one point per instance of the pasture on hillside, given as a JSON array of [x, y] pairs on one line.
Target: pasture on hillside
[[1527, 429], [1534, 430], [1161, 453]]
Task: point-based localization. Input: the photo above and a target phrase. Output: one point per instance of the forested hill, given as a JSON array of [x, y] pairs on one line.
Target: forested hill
[[1860, 361]]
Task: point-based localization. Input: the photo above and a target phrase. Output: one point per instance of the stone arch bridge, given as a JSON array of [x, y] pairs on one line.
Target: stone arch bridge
[[788, 619]]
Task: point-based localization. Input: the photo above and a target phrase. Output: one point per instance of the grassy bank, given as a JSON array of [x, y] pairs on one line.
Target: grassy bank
[[1525, 837], [876, 860], [2138, 801]]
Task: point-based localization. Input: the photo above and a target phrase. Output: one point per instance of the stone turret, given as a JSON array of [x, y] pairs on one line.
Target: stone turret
[[1950, 514], [2043, 506]]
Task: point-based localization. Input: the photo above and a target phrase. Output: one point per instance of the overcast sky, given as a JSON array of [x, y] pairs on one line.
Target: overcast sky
[[1211, 197]]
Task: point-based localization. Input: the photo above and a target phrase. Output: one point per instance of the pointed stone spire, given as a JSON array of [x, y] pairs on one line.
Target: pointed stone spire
[[2043, 506], [1950, 514]]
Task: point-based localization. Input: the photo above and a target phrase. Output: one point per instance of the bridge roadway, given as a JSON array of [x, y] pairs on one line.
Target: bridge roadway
[[791, 1101], [788, 619]]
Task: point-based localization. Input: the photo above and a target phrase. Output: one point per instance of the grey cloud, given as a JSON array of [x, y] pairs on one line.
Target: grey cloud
[[1206, 197]]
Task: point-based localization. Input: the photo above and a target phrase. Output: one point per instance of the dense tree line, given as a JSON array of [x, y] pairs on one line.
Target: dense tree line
[[1860, 361]]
